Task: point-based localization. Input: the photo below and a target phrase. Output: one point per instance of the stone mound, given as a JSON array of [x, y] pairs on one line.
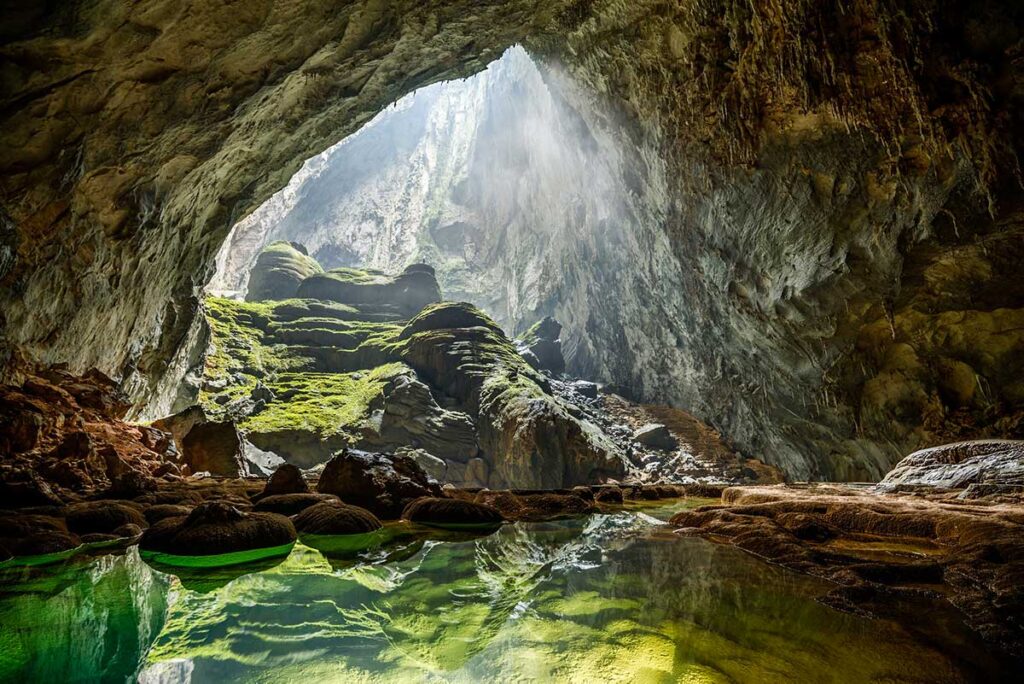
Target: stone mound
[[218, 528], [278, 271], [453, 513], [102, 516], [291, 504], [381, 483], [287, 479], [335, 517]]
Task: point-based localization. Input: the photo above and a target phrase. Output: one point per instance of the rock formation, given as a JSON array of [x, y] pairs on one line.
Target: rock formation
[[822, 187], [278, 270]]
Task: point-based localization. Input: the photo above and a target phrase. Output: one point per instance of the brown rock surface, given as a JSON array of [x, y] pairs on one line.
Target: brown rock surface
[[875, 546], [63, 434], [381, 483]]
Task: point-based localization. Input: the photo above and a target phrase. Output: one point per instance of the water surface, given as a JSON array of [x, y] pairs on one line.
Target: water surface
[[610, 598]]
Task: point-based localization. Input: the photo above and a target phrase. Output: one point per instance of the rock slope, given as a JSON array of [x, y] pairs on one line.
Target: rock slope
[[377, 362]]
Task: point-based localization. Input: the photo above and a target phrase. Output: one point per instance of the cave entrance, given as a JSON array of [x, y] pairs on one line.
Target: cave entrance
[[486, 179]]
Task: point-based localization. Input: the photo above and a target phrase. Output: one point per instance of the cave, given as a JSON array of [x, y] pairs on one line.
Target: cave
[[566, 341]]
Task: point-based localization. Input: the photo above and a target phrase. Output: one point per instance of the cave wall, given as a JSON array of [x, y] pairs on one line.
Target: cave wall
[[831, 178]]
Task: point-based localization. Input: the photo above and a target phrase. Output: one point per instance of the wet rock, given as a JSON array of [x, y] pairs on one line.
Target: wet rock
[[290, 504], [160, 511], [534, 507], [23, 488], [452, 513], [102, 516], [968, 553], [217, 528], [335, 517], [381, 483], [608, 495], [279, 270], [287, 479], [958, 465], [656, 436]]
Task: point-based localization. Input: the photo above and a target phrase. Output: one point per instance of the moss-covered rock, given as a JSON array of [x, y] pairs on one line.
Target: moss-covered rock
[[405, 294], [279, 270]]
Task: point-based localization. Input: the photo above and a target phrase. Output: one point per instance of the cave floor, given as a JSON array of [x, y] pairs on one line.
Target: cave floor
[[761, 584]]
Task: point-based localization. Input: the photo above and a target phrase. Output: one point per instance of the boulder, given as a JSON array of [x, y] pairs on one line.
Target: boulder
[[291, 504], [216, 448], [35, 535], [433, 466], [287, 479], [452, 513], [541, 346], [959, 465], [381, 483], [217, 528], [103, 517], [335, 517], [608, 495], [656, 436], [279, 270]]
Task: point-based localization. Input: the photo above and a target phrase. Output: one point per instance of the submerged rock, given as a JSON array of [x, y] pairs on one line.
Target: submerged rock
[[217, 528], [954, 466], [278, 271]]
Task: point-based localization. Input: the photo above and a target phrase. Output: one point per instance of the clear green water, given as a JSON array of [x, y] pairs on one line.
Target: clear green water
[[612, 598]]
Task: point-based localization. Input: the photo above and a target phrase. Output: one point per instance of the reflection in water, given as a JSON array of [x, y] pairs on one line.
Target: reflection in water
[[608, 598]]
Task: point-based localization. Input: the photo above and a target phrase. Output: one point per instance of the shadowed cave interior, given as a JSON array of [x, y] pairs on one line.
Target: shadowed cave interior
[[459, 341]]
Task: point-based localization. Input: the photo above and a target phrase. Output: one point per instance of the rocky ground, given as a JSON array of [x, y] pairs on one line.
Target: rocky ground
[[315, 361], [898, 540]]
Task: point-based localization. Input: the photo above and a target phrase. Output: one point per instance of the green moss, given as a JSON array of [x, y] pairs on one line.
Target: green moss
[[360, 276], [327, 404]]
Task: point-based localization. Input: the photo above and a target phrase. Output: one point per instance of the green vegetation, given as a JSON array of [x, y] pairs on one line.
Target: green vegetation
[[326, 404]]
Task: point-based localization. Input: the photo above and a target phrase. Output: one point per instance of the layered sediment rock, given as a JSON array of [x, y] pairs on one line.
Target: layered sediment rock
[[278, 271], [875, 546]]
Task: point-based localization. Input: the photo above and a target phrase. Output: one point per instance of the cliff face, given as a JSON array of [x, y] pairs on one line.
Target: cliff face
[[815, 250]]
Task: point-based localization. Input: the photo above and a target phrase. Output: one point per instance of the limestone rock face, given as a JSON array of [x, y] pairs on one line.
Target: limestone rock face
[[407, 293], [542, 346], [412, 418], [61, 434], [796, 268], [955, 466], [278, 271]]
